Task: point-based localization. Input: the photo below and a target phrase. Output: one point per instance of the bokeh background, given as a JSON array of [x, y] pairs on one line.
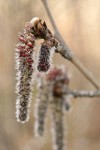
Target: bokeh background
[[79, 23]]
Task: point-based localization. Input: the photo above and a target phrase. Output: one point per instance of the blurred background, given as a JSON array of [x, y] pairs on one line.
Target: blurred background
[[79, 23]]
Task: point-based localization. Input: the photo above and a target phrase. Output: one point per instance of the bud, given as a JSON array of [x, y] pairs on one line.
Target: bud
[[59, 80]]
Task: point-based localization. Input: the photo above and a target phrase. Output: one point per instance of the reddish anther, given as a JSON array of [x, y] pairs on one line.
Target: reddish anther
[[30, 45], [29, 60], [23, 40]]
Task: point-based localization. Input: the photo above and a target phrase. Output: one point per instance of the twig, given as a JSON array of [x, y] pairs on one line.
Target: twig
[[90, 94], [67, 53]]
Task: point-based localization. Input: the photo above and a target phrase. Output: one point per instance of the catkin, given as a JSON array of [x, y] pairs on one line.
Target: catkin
[[25, 68], [41, 110], [57, 119], [45, 57]]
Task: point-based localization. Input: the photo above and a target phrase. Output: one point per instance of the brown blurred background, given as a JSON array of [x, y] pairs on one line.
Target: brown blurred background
[[79, 24]]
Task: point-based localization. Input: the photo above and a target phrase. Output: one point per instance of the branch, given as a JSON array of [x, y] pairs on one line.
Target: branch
[[64, 50], [77, 94]]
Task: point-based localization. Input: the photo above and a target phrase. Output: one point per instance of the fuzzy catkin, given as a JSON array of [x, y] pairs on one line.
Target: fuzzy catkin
[[45, 57], [41, 107], [40, 110], [25, 68], [58, 127]]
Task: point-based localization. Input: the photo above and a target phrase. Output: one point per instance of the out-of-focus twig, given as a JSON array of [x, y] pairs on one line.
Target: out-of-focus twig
[[83, 94], [64, 50]]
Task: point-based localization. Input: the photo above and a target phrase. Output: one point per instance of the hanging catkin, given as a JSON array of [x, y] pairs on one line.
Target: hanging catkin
[[25, 68]]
